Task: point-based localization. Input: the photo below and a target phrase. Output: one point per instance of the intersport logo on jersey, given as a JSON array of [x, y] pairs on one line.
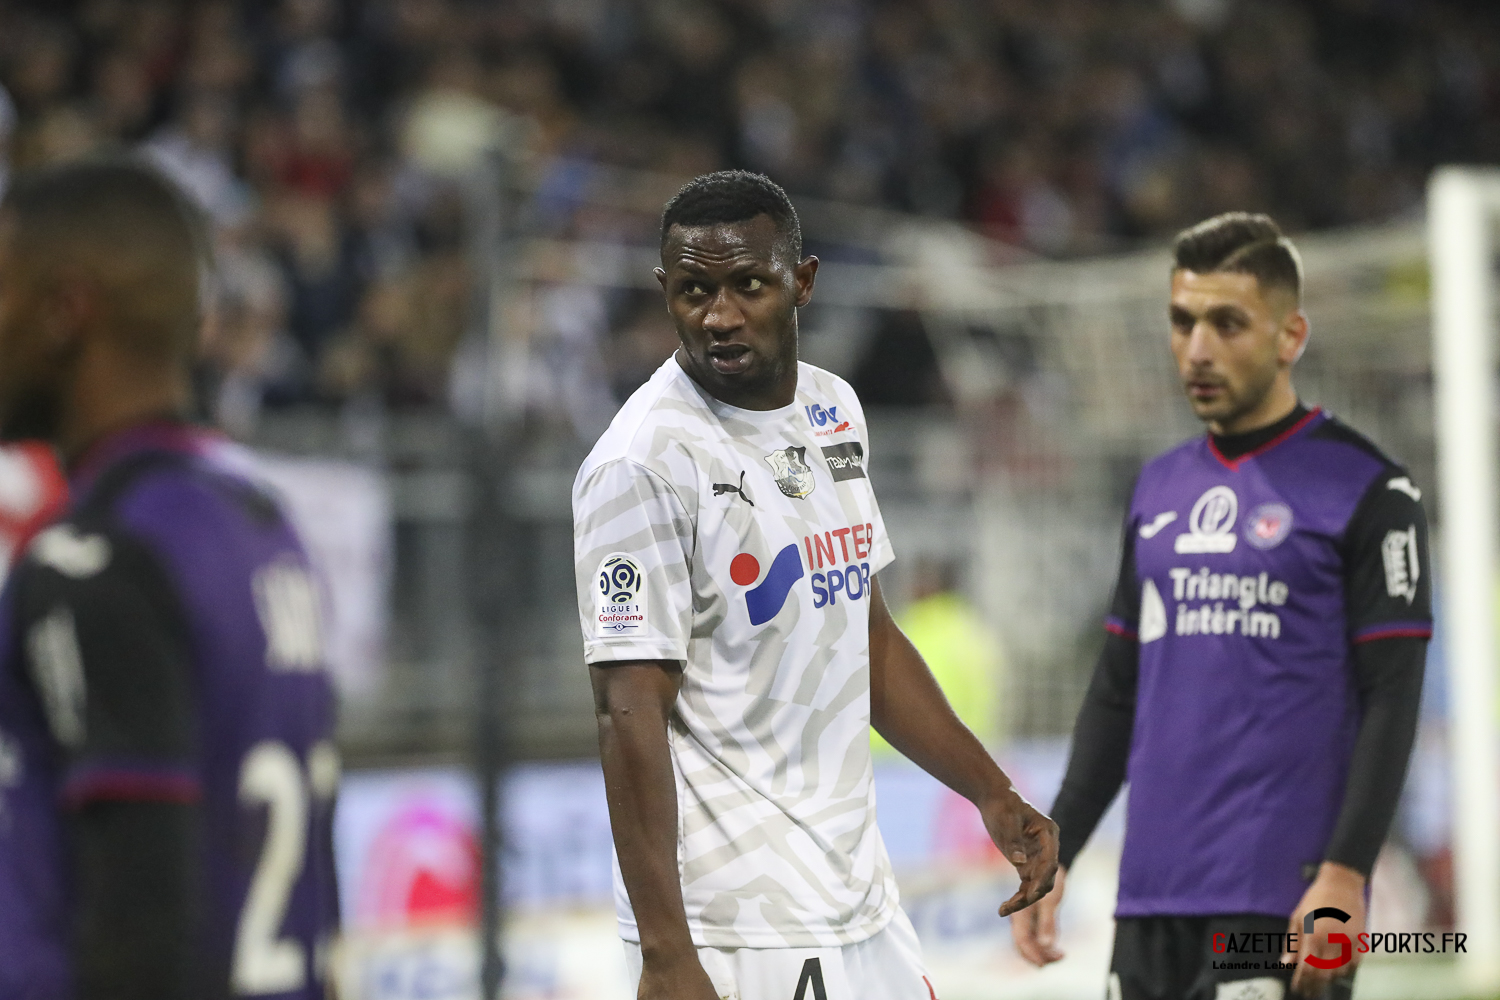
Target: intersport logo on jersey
[[837, 565]]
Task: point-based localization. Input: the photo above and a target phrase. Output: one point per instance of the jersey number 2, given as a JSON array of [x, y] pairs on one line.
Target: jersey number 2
[[271, 776]]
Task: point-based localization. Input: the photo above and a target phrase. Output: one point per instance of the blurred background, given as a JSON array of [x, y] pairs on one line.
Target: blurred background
[[435, 223]]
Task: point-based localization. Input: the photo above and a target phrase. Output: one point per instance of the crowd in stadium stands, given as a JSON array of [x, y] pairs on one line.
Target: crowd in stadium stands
[[325, 137]]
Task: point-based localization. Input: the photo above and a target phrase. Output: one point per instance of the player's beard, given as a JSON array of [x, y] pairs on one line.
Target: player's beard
[[32, 410], [1235, 400], [33, 415], [771, 369]]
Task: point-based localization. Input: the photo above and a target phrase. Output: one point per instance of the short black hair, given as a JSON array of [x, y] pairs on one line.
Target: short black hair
[[1245, 242], [733, 196], [133, 229]]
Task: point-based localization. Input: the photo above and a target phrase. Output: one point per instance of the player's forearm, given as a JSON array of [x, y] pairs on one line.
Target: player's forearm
[[137, 883], [642, 792], [909, 709], [1389, 675]]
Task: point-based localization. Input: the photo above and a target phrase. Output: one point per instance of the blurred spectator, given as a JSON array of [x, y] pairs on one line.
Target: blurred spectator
[[248, 360], [197, 152], [318, 259], [899, 366], [7, 129], [340, 138], [403, 334], [643, 339]]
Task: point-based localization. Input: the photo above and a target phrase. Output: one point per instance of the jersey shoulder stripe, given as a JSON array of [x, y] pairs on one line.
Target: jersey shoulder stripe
[[1335, 430], [669, 390], [1165, 464]]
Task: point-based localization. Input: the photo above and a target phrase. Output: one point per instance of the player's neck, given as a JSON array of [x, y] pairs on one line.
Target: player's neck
[[1276, 407], [110, 392], [771, 394], [1232, 446]]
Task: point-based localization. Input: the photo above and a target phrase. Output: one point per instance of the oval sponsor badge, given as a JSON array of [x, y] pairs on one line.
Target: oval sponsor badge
[[1268, 525]]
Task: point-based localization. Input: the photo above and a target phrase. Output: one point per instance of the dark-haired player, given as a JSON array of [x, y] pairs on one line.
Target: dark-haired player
[[728, 544], [1258, 688], [166, 766]]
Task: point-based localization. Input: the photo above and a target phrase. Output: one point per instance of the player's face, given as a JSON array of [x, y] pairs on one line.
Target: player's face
[[733, 291], [33, 358], [1233, 344]]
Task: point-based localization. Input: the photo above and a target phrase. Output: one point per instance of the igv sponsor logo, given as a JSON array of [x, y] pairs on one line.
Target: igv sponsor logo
[[825, 420], [838, 560]]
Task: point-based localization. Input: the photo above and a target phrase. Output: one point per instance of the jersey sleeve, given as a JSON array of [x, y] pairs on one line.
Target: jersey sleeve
[[882, 553], [633, 544], [105, 646], [1388, 575], [1124, 614]]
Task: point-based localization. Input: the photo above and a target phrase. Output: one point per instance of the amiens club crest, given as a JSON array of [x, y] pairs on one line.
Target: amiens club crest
[[789, 466]]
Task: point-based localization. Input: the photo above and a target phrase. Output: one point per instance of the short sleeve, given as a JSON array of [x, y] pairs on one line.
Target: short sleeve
[[1388, 574], [882, 553], [633, 547], [105, 645]]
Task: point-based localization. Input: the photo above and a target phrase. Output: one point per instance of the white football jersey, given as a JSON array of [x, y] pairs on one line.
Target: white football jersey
[[743, 544]]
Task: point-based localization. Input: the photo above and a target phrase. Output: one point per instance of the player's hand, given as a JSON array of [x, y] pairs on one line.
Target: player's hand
[[1336, 886], [1028, 839], [1034, 929], [675, 977]]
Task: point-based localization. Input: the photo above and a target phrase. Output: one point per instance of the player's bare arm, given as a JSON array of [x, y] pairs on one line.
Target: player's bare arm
[[632, 703], [909, 709]]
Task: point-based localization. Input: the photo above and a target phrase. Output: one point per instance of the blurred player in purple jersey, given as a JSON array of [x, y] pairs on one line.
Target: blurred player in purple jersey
[[167, 770], [1259, 685]]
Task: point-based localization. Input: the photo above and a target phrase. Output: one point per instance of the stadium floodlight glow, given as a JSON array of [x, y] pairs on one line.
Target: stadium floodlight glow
[[1463, 206]]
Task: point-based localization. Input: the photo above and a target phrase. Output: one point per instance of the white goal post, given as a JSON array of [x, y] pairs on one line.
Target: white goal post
[[1463, 207]]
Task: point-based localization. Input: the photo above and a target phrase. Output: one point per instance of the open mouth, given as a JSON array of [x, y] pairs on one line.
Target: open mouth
[[729, 359], [1204, 390]]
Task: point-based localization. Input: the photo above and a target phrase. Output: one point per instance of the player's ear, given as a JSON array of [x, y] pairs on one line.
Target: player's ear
[[1295, 331], [805, 273], [64, 308]]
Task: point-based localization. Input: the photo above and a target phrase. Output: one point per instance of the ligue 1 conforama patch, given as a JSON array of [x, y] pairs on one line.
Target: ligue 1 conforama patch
[[1268, 525], [619, 597]]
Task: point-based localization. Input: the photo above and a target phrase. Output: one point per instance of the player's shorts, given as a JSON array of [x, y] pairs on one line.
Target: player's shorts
[[887, 966], [1205, 958]]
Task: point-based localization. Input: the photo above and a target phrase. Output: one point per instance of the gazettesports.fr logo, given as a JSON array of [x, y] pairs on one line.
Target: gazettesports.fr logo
[[1386, 943], [1346, 947]]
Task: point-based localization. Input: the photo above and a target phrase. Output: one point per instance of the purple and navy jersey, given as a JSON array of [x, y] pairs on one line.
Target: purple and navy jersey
[[162, 643], [1247, 582]]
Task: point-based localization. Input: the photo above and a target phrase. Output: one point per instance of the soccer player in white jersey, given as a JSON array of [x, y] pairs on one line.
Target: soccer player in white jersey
[[728, 542]]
